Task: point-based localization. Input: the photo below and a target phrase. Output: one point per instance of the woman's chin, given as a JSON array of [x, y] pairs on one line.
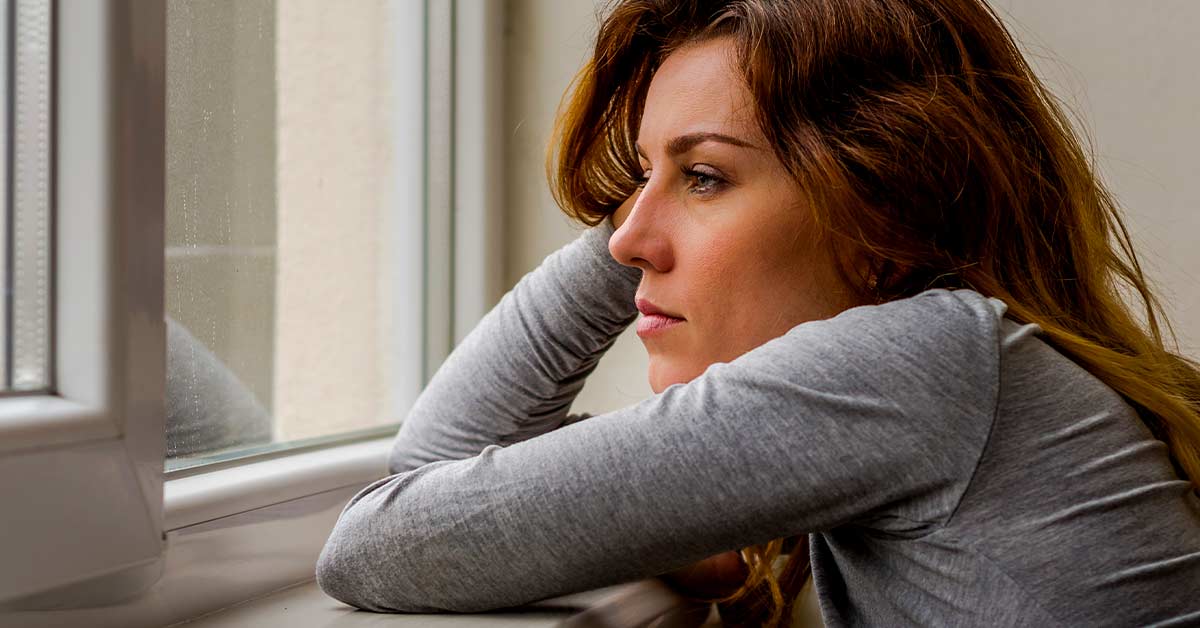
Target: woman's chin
[[664, 373]]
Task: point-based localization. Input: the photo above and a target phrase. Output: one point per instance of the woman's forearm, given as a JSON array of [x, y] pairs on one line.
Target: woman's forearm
[[515, 375]]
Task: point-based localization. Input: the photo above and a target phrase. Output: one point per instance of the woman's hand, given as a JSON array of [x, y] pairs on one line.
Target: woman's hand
[[714, 577]]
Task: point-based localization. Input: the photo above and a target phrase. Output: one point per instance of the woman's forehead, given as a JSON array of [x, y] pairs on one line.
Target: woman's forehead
[[698, 89]]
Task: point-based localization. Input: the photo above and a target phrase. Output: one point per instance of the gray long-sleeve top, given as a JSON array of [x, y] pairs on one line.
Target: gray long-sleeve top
[[949, 465]]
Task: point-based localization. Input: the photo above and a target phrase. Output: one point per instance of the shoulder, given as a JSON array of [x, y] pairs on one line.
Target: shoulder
[[944, 339], [931, 313], [936, 354], [937, 334]]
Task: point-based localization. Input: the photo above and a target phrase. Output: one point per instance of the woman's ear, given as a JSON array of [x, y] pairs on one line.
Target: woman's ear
[[622, 212]]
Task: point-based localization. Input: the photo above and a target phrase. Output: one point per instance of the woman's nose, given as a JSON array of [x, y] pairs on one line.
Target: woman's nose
[[641, 239]]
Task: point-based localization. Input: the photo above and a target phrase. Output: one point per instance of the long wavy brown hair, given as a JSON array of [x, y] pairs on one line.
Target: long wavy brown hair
[[923, 141]]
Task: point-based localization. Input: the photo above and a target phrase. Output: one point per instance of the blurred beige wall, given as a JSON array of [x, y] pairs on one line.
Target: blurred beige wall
[[1126, 66], [334, 157], [1129, 70]]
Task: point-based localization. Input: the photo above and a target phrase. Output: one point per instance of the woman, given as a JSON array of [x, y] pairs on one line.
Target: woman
[[880, 291]]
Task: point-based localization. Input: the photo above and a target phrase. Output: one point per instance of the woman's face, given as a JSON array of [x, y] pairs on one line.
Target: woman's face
[[727, 252]]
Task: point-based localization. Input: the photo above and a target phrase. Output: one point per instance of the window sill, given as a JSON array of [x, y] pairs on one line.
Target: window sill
[[305, 606], [216, 494]]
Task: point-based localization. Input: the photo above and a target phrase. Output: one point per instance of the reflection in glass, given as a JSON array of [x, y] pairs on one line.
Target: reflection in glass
[[293, 255]]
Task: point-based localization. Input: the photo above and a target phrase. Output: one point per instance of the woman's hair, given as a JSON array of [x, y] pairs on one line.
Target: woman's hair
[[925, 144]]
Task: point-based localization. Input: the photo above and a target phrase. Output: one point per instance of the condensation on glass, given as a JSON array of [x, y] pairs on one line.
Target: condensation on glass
[[294, 221], [25, 243]]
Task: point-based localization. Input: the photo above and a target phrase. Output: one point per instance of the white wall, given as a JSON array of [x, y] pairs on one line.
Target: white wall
[[1127, 67]]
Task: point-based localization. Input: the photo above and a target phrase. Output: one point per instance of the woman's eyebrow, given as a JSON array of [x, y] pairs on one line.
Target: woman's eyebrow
[[683, 143]]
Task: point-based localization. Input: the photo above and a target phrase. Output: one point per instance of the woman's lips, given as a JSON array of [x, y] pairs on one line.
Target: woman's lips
[[654, 320], [653, 324]]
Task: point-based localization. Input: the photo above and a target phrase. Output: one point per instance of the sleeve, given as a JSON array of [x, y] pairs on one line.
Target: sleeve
[[876, 418], [515, 375]]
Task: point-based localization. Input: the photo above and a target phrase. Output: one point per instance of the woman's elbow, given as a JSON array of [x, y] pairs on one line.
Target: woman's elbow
[[367, 572], [347, 572], [340, 578], [387, 553]]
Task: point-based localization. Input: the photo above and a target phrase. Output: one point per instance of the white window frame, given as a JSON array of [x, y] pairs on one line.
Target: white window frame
[[86, 455], [104, 536]]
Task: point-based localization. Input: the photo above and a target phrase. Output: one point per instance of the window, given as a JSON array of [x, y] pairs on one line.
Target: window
[[294, 223], [262, 195]]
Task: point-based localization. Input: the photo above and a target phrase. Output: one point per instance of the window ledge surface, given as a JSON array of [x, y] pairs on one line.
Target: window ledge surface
[[224, 492], [306, 606]]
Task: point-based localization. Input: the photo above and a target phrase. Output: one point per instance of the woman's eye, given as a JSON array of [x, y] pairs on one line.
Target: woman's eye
[[702, 182], [643, 179]]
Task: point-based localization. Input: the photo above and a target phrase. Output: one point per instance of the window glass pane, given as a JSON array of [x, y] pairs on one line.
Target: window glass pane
[[294, 220], [27, 190]]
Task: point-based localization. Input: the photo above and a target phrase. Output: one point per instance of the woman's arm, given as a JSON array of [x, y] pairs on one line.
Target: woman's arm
[[876, 416], [515, 375]]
